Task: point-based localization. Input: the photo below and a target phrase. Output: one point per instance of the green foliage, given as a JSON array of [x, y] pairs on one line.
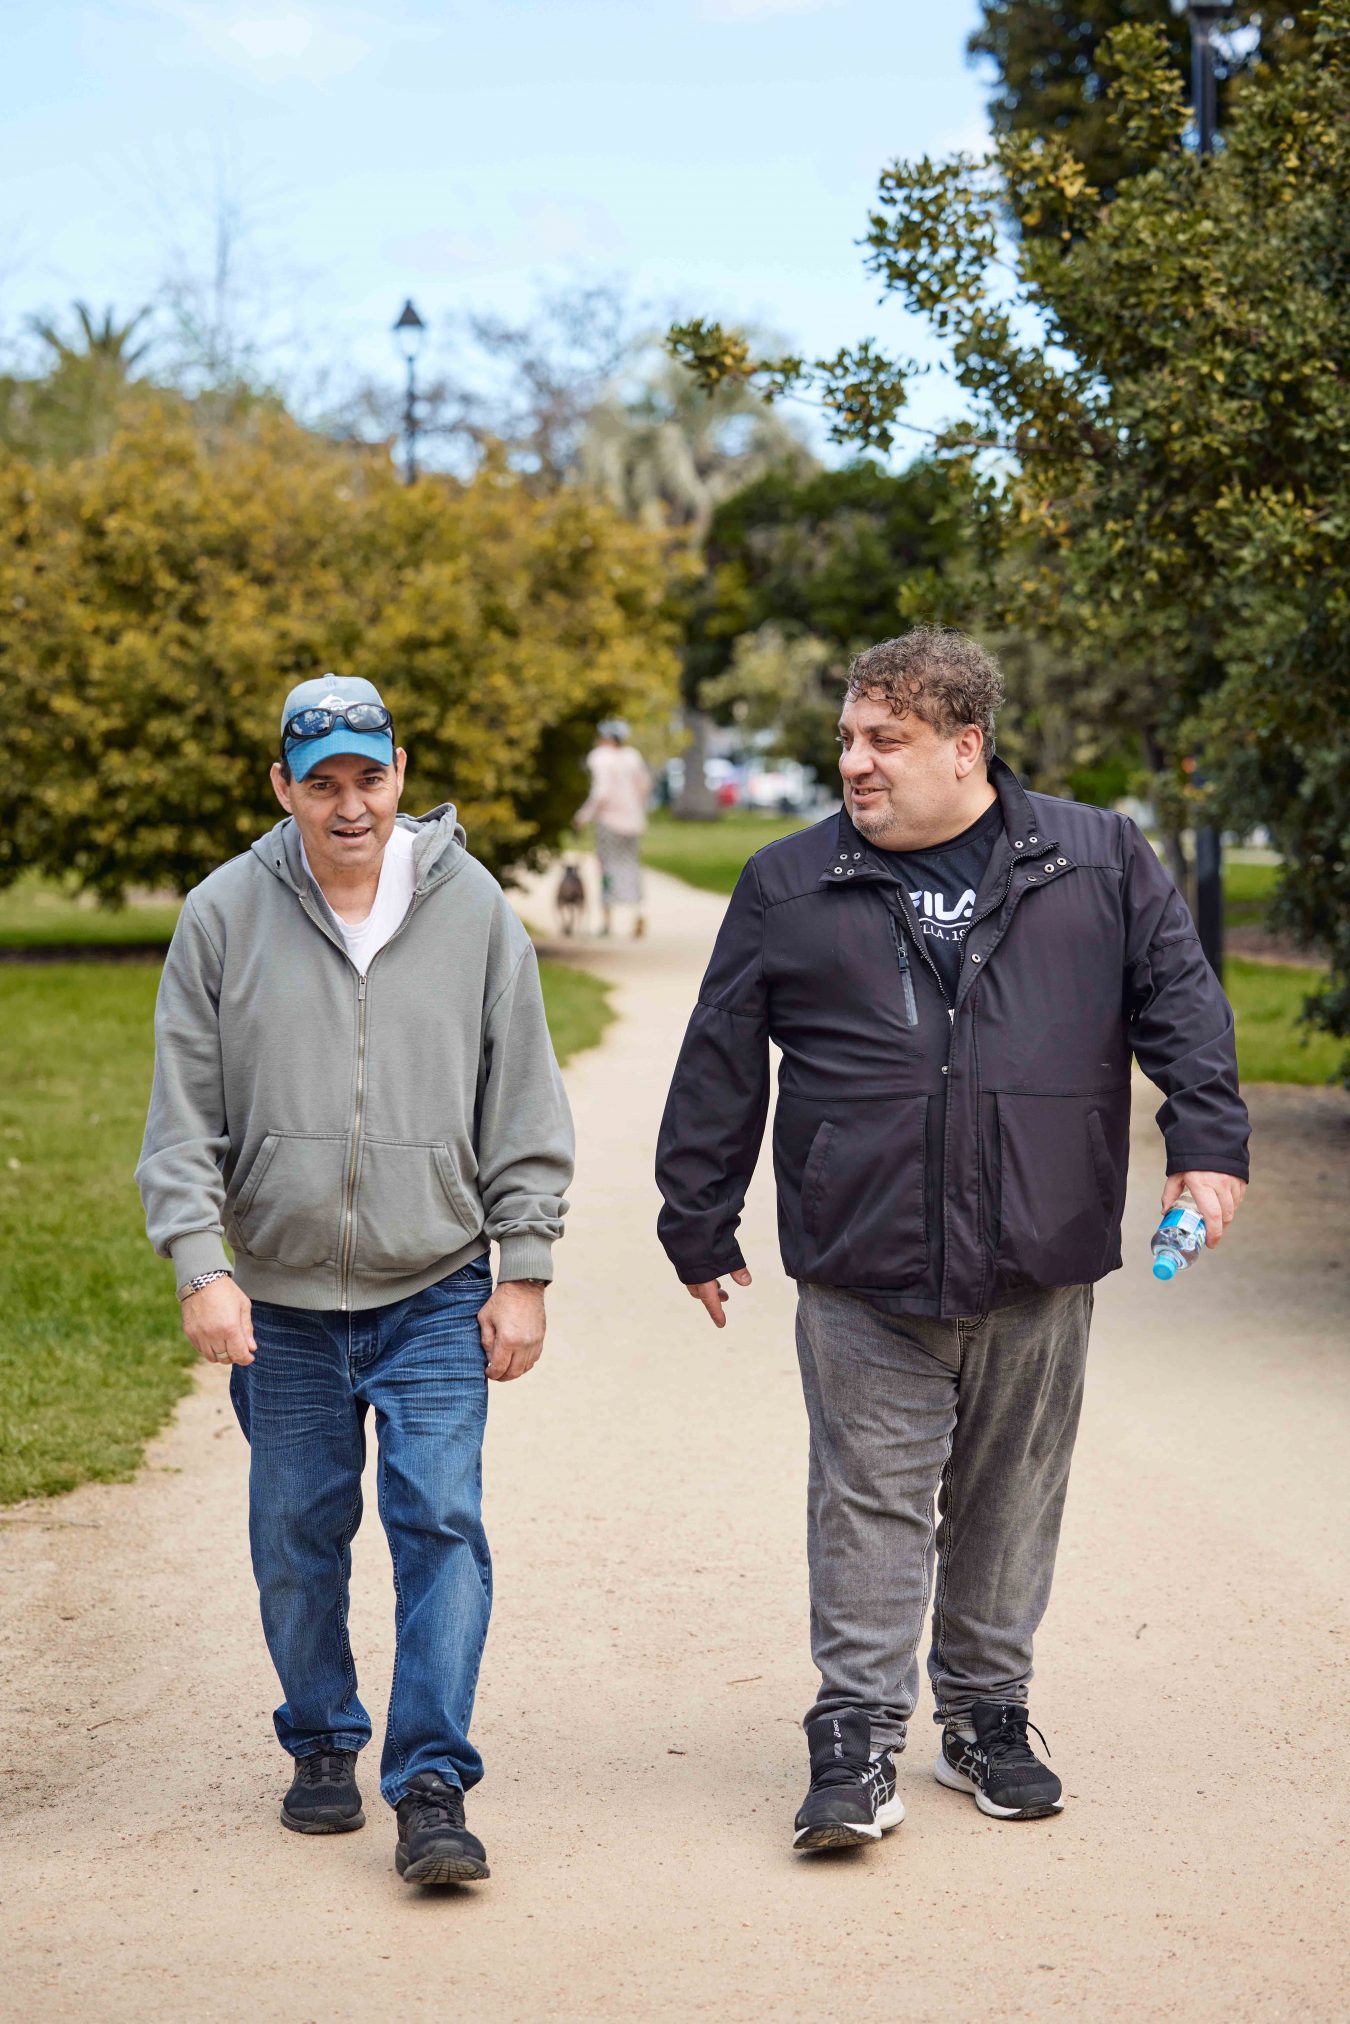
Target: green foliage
[[1166, 382], [1054, 65], [74, 408], [92, 1360], [802, 574], [664, 453], [157, 602]]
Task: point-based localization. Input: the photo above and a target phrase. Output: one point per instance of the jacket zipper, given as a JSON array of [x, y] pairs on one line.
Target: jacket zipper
[[344, 1279], [906, 976], [933, 969]]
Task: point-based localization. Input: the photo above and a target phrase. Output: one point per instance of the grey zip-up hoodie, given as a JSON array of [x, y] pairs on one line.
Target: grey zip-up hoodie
[[354, 1138]]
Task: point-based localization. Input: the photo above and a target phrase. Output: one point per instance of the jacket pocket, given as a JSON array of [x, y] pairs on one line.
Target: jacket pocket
[[412, 1208], [1060, 1186], [851, 1191], [289, 1208]]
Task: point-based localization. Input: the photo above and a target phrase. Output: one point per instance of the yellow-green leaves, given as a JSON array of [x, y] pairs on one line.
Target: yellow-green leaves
[[156, 603]]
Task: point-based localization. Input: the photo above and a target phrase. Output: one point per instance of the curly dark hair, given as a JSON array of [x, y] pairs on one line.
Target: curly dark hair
[[940, 674]]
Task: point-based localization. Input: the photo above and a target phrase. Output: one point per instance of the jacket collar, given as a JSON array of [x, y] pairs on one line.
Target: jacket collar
[[1024, 829]]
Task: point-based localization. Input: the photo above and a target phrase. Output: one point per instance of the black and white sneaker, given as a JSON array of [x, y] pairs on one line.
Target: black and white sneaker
[[852, 1797], [1000, 1768]]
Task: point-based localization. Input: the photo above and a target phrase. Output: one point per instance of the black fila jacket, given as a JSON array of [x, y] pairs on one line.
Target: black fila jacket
[[943, 1160]]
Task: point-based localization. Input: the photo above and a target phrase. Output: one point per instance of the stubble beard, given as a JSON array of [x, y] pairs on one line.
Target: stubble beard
[[874, 825]]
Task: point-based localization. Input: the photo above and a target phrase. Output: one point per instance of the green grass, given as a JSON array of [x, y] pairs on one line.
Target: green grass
[[578, 1008], [711, 854], [91, 1358], [1246, 891], [1272, 1045], [92, 1361], [37, 913]]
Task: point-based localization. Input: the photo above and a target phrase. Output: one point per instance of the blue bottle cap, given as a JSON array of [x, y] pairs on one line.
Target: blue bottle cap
[[1166, 1265]]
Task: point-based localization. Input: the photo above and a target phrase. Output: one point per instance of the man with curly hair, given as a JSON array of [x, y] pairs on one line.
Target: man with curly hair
[[958, 974]]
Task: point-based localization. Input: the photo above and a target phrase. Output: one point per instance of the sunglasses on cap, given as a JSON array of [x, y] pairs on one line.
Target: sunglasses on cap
[[317, 723]]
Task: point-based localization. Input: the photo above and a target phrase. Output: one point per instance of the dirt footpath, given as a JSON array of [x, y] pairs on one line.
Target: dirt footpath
[[648, 1665]]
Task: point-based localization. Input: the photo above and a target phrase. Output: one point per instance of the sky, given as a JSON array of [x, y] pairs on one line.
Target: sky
[[717, 157]]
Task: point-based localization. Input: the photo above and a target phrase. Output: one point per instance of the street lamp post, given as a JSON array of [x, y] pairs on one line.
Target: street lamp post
[[1205, 16], [409, 330]]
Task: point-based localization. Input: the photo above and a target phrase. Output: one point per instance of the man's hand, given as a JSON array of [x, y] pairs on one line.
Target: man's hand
[[1216, 1196], [712, 1295], [218, 1322], [512, 1327]]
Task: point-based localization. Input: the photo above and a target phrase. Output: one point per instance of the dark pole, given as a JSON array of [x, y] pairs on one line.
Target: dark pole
[[1208, 840], [409, 331], [1204, 95], [410, 423]]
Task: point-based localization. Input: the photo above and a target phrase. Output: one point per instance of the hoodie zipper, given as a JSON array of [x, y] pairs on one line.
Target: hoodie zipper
[[349, 1205], [354, 1158]]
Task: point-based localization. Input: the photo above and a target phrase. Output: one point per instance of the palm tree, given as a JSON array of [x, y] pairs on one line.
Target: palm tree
[[102, 340], [666, 454], [71, 407]]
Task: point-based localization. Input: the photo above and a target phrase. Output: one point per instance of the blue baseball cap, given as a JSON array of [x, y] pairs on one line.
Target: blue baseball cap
[[332, 692]]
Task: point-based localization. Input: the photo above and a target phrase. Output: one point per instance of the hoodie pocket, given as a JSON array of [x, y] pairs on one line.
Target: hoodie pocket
[[289, 1209], [412, 1208]]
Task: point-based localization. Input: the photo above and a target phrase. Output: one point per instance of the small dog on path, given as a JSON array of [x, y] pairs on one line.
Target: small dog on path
[[570, 898]]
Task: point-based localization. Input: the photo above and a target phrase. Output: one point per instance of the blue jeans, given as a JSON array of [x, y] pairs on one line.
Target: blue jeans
[[302, 1405]]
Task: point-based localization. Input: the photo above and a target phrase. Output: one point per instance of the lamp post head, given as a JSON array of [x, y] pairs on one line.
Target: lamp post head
[[409, 330]]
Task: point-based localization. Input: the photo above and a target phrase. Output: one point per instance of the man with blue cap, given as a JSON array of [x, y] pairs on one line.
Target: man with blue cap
[[354, 1085]]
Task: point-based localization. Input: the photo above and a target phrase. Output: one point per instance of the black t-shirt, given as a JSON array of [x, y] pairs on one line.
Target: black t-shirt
[[943, 883]]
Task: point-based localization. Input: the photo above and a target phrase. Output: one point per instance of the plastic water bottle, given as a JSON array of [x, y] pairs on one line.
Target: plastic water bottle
[[1178, 1240]]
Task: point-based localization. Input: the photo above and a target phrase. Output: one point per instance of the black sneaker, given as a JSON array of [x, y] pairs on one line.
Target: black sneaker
[[323, 1798], [434, 1845], [1000, 1767], [852, 1797]]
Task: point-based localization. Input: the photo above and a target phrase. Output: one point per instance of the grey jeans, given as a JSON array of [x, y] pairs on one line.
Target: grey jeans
[[981, 1413]]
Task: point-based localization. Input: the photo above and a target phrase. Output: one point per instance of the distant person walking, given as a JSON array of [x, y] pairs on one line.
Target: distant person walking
[[354, 1084], [957, 974], [617, 805]]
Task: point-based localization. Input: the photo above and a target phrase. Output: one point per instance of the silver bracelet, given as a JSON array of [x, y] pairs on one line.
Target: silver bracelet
[[203, 1279]]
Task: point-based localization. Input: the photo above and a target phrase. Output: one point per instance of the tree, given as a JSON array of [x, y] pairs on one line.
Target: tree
[[157, 602], [1160, 441], [664, 453], [71, 408], [518, 390], [1053, 72], [803, 572]]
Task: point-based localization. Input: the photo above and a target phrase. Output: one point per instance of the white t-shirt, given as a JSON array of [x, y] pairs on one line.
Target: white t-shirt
[[393, 897]]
